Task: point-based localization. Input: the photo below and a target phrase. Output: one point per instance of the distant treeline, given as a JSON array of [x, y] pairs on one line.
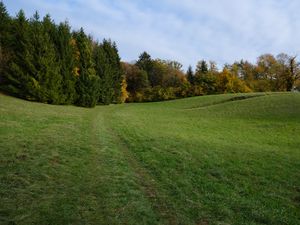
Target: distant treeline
[[153, 80], [47, 62]]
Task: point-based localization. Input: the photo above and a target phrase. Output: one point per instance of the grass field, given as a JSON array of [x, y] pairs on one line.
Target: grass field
[[207, 160]]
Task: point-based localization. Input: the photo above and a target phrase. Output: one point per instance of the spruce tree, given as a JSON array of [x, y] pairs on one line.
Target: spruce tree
[[108, 68], [118, 73], [5, 28], [5, 40], [202, 68], [46, 79], [101, 68], [18, 73], [146, 63], [65, 50], [190, 75], [87, 85]]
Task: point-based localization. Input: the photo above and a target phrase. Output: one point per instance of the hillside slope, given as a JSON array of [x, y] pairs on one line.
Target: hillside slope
[[223, 159]]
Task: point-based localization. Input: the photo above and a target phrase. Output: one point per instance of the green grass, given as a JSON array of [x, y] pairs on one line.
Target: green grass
[[218, 159]]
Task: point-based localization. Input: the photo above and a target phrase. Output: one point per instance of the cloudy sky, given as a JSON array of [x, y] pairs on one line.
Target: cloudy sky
[[186, 31]]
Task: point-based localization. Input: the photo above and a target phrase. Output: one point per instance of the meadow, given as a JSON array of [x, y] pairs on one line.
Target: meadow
[[218, 159]]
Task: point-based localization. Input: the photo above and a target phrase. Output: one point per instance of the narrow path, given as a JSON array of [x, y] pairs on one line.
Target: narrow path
[[146, 182]]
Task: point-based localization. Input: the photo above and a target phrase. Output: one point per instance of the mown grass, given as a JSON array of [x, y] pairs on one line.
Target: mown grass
[[221, 159]]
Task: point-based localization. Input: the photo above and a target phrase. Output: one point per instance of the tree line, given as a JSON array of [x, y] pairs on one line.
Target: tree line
[[154, 80], [47, 62]]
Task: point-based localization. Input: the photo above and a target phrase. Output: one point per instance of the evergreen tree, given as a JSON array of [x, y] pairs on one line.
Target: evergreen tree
[[66, 54], [202, 68], [145, 62], [5, 40], [190, 75], [118, 74], [4, 23], [108, 68], [100, 63], [5, 27], [87, 86], [45, 76], [17, 75], [205, 77]]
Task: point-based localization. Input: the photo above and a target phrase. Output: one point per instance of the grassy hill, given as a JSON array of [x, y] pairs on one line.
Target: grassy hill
[[224, 159]]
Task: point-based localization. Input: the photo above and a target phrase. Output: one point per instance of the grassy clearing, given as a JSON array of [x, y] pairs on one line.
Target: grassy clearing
[[218, 159]]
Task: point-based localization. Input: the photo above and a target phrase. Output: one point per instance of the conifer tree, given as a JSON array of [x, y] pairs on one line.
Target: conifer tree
[[118, 73], [146, 63], [108, 68], [87, 86], [190, 75], [65, 50], [45, 76], [4, 23], [5, 40], [17, 74], [202, 69]]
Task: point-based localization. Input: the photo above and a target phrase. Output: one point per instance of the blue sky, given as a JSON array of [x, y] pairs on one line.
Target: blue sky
[[186, 31]]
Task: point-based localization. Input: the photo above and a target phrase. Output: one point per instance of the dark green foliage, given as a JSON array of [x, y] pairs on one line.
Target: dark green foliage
[[5, 40], [4, 23], [5, 27], [20, 63], [201, 72], [45, 77], [65, 49], [45, 62], [203, 67], [108, 68], [33, 70], [190, 75], [87, 86], [145, 62], [88, 90], [153, 69]]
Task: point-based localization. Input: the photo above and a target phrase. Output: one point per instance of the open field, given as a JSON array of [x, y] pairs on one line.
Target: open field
[[219, 159]]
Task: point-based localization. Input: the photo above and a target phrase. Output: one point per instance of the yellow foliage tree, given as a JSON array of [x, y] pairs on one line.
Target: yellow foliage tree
[[230, 83], [124, 93]]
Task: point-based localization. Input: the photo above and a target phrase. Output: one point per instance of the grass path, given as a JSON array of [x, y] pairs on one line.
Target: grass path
[[146, 182], [104, 139]]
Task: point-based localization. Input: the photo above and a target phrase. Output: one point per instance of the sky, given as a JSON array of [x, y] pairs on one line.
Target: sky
[[186, 31]]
